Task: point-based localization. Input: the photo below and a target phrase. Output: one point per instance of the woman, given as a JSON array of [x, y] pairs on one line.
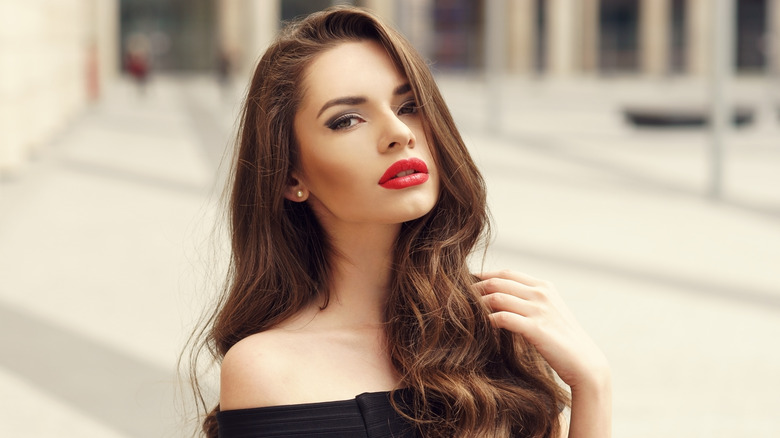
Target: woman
[[350, 309]]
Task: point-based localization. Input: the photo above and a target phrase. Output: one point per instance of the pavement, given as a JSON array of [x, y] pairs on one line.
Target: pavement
[[109, 252]]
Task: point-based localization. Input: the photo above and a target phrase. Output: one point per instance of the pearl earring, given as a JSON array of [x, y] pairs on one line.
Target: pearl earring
[[299, 193]]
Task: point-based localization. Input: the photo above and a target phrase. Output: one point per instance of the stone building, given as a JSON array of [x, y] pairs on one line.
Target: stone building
[[57, 55], [551, 38]]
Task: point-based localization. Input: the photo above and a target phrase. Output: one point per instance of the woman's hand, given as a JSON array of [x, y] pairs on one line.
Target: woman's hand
[[533, 308]]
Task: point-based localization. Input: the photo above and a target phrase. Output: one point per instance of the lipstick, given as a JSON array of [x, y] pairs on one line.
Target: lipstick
[[404, 173]]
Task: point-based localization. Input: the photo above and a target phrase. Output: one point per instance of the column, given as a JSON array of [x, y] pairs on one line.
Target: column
[[773, 38], [654, 29], [562, 31], [259, 27], [520, 35], [108, 39], [415, 21], [44, 49], [385, 9], [229, 20], [12, 42], [103, 58], [724, 39], [591, 26], [697, 36]]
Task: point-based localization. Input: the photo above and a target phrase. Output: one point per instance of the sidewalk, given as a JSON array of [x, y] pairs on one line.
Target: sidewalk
[[681, 291], [105, 244], [99, 252]]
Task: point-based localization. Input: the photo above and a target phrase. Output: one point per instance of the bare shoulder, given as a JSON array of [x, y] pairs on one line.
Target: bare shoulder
[[300, 362], [253, 371]]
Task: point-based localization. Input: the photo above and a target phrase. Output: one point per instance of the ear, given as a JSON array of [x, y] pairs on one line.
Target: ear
[[295, 191]]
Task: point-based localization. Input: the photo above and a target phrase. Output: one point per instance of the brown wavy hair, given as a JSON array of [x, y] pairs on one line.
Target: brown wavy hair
[[465, 378]]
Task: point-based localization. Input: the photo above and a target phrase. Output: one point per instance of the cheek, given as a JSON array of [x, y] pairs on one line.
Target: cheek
[[328, 174], [433, 168]]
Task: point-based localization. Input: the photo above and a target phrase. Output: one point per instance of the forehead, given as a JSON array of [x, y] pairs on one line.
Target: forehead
[[350, 69]]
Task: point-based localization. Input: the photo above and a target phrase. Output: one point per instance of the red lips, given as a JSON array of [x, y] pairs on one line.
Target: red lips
[[405, 173]]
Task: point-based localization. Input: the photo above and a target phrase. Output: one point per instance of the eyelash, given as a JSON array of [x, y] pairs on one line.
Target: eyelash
[[408, 107], [334, 125]]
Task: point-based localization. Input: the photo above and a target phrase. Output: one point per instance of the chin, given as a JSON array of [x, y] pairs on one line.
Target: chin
[[415, 211]]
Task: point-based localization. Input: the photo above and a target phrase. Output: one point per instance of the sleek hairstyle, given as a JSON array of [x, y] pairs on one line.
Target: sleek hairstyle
[[465, 377]]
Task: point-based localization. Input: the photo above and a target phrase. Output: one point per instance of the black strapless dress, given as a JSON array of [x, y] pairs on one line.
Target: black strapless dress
[[369, 415]]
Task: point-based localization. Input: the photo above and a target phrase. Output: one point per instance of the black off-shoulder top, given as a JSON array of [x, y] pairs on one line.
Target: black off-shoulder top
[[369, 415]]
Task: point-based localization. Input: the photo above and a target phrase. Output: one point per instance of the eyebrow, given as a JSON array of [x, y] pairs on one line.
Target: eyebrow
[[402, 89], [358, 100]]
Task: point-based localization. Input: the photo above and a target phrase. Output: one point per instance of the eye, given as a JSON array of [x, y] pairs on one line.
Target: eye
[[345, 121], [408, 107]]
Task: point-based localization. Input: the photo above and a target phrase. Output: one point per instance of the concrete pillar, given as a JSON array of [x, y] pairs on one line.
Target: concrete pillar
[[45, 53], [415, 20], [41, 63], [260, 23], [385, 9], [654, 32], [563, 30], [697, 35], [57, 82], [773, 38], [108, 39], [520, 36], [590, 35], [12, 59], [724, 39], [102, 45], [229, 20], [230, 39], [495, 61]]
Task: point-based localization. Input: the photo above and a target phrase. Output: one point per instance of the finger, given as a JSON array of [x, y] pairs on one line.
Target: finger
[[512, 287], [511, 275], [501, 302], [513, 322]]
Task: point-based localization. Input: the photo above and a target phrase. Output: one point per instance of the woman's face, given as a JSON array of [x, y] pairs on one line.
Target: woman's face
[[364, 157]]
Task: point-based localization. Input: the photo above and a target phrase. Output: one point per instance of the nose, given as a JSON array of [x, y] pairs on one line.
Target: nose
[[396, 134]]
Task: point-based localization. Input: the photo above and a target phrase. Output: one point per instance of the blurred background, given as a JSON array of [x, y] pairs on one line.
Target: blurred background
[[631, 150]]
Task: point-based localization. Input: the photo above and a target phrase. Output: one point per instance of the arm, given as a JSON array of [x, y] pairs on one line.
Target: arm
[[591, 409], [532, 308]]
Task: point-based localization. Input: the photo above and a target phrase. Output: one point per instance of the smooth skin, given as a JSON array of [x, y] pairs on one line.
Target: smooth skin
[[357, 118], [339, 352]]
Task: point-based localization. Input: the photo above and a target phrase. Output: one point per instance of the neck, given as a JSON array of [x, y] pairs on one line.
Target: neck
[[360, 268]]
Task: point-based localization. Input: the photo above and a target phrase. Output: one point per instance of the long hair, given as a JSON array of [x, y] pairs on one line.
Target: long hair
[[465, 377]]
